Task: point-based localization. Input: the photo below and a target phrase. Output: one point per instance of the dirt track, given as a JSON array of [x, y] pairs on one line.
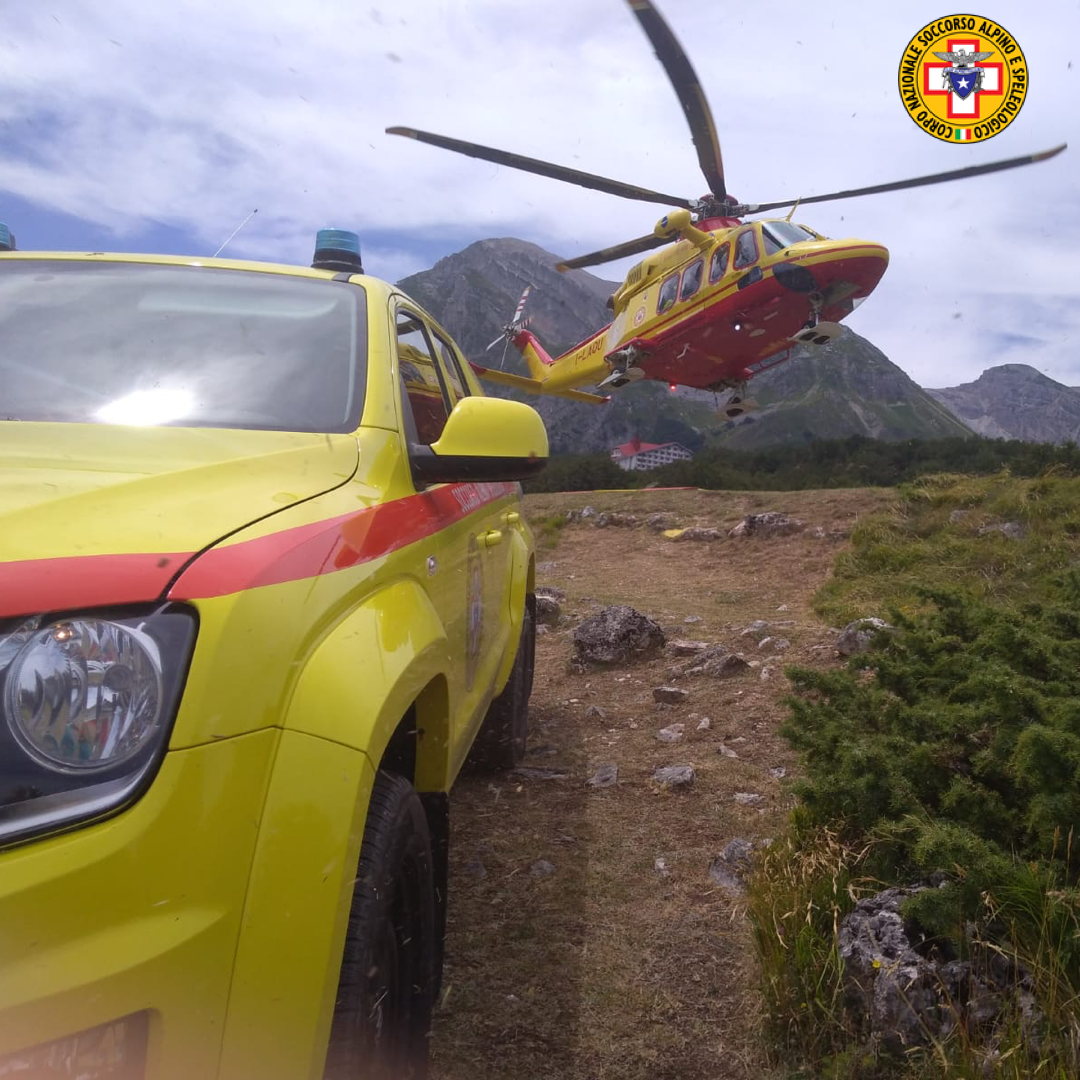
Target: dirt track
[[607, 968]]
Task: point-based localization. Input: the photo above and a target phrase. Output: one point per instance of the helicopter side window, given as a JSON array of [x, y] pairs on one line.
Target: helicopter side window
[[668, 291], [422, 382], [719, 263], [770, 243], [745, 249], [691, 279]]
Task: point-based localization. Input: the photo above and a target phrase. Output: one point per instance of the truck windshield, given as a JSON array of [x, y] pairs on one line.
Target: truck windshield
[[136, 343]]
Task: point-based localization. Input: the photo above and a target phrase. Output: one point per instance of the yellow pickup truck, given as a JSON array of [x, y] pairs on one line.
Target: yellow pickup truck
[[264, 586]]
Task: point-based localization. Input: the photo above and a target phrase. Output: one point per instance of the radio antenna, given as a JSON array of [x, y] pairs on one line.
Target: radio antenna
[[228, 239]]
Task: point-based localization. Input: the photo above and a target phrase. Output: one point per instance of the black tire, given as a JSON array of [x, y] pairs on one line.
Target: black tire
[[501, 741], [382, 1017]]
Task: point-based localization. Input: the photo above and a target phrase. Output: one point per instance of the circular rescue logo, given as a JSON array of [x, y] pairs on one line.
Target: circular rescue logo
[[963, 78]]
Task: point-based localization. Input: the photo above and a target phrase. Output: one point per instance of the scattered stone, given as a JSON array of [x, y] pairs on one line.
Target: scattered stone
[[765, 673], [541, 869], [755, 628], [778, 772], [906, 999], [720, 664], [615, 635], [687, 648], [670, 695], [542, 630], [625, 520], [587, 512], [1013, 530], [541, 751], [660, 522], [858, 635], [748, 798], [546, 567], [605, 776], [674, 776], [957, 516], [534, 772], [730, 867], [768, 524], [661, 867], [692, 619], [475, 868], [782, 607], [548, 611], [595, 711], [774, 644], [726, 751], [704, 724], [550, 590], [672, 733], [696, 533]]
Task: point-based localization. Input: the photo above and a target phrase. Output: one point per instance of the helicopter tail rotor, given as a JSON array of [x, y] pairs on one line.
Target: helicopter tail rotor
[[513, 327]]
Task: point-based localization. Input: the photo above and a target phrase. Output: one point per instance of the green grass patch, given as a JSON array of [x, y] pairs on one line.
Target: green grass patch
[[547, 529], [945, 532]]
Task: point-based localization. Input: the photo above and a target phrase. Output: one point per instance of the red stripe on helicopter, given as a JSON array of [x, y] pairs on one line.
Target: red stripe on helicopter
[[34, 586]]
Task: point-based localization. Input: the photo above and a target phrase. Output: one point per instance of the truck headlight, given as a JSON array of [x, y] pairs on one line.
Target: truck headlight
[[87, 702]]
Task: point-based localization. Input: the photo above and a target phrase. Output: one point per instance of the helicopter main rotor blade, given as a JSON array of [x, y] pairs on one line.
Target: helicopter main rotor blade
[[542, 168], [688, 89], [619, 251], [919, 181]]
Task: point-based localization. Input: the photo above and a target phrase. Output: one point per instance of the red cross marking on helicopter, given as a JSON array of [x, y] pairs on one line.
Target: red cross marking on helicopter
[[968, 108]]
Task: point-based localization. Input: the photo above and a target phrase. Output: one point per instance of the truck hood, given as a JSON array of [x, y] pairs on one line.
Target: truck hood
[[94, 514]]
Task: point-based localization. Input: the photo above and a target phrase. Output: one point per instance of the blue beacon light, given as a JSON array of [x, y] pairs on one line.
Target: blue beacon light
[[7, 240], [337, 249]]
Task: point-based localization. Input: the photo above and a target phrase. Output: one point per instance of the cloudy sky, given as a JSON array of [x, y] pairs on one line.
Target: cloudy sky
[[135, 126]]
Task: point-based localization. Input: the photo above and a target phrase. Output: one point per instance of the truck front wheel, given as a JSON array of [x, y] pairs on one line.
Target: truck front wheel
[[382, 1017]]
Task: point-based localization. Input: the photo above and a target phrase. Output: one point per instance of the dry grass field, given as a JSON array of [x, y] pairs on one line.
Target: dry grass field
[[608, 967]]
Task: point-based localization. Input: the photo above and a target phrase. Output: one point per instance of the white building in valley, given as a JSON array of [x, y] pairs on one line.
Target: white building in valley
[[642, 455]]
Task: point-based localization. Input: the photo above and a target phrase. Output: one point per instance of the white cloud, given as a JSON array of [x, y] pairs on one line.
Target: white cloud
[[193, 112]]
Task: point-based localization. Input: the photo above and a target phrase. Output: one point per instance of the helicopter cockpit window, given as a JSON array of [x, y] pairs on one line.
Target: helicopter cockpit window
[[779, 234], [745, 249], [668, 291], [424, 395], [718, 265], [691, 279]]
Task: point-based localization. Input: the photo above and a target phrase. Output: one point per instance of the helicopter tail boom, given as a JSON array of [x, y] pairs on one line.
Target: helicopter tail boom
[[535, 386]]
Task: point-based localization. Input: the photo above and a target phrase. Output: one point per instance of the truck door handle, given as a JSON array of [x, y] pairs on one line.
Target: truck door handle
[[512, 517], [491, 538]]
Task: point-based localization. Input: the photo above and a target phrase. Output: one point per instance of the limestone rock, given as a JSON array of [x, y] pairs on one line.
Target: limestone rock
[[615, 635], [767, 524], [1013, 530], [674, 776], [605, 776], [858, 635], [699, 534], [548, 611], [670, 695], [672, 733], [730, 867]]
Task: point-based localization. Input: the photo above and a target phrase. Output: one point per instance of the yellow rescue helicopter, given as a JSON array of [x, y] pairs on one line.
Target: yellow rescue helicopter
[[721, 298]]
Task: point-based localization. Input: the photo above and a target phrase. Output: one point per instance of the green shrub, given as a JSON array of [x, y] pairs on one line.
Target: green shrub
[[958, 742]]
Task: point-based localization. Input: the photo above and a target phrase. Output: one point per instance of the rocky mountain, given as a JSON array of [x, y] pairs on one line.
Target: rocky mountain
[[849, 387], [1014, 401]]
